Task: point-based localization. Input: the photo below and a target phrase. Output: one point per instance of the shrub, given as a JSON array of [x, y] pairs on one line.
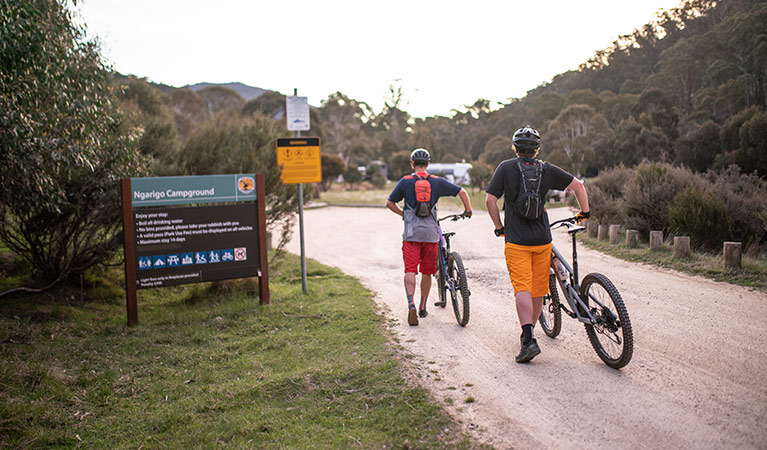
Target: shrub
[[703, 217], [243, 145], [61, 151], [606, 194], [332, 167], [651, 190], [746, 198]]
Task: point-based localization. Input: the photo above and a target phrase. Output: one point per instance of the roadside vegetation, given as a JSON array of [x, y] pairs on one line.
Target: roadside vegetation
[[377, 197], [707, 264], [208, 366]]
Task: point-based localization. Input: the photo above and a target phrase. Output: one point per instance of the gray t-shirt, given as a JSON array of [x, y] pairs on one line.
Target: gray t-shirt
[[421, 229]]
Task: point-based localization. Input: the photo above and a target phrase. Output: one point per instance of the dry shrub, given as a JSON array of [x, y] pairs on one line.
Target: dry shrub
[[606, 194], [648, 194], [702, 216], [746, 198]]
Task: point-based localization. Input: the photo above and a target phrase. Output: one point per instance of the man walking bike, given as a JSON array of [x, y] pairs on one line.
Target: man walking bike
[[524, 181], [420, 238]]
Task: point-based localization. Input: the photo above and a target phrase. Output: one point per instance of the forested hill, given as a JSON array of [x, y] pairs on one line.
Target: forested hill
[[689, 88]]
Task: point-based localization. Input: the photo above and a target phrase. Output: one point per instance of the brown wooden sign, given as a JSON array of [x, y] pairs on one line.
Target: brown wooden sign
[[172, 245]]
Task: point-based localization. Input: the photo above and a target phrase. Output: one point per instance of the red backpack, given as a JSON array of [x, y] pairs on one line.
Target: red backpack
[[422, 196]]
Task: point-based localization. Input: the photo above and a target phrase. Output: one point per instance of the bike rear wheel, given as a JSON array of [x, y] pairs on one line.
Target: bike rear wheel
[[611, 336], [551, 315], [441, 280], [459, 293]]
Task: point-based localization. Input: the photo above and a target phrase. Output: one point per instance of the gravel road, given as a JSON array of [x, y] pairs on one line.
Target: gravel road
[[698, 378]]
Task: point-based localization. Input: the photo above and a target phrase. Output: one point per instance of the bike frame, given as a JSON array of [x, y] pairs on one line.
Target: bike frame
[[444, 251], [570, 286]]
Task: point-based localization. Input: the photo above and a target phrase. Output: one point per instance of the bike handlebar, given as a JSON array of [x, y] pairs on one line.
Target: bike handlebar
[[566, 222], [454, 217]]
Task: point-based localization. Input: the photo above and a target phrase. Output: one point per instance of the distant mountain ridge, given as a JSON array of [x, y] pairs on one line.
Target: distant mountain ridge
[[246, 92]]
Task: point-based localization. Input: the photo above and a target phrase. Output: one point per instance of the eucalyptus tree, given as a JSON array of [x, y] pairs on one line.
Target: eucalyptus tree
[[61, 149]]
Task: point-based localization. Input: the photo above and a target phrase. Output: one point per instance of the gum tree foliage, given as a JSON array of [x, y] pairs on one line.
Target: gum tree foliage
[[61, 153], [332, 167], [244, 145], [497, 149], [144, 108], [575, 136]]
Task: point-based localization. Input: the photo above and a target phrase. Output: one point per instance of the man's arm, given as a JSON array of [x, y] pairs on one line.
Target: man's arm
[[465, 200], [580, 194], [394, 207], [491, 203]]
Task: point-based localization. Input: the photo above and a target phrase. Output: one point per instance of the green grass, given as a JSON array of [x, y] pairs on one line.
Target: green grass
[[377, 197], [209, 366], [706, 264]]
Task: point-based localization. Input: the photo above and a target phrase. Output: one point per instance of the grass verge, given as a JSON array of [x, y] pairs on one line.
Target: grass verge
[[208, 366], [377, 197], [708, 265]]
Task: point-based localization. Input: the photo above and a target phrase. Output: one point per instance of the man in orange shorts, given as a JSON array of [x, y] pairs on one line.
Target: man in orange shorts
[[420, 192], [524, 181]]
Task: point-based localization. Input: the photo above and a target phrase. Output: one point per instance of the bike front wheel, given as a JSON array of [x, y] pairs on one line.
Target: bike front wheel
[[611, 335], [551, 315], [459, 290]]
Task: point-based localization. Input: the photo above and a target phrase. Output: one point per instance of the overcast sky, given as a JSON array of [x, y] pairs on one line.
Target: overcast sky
[[443, 54]]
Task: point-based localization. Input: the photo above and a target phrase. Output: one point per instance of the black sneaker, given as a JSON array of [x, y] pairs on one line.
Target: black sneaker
[[423, 313], [412, 317], [528, 352]]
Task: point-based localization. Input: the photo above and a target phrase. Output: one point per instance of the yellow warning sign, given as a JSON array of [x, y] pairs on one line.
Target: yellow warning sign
[[300, 160]]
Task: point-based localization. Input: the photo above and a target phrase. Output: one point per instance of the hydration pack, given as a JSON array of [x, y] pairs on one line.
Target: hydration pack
[[422, 196], [529, 204]]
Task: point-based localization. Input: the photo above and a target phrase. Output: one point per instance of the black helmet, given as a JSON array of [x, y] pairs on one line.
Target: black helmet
[[420, 155], [527, 140]]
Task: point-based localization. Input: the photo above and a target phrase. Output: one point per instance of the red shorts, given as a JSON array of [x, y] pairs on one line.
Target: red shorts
[[423, 254]]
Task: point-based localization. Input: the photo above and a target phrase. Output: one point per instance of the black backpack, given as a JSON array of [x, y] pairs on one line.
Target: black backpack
[[529, 204]]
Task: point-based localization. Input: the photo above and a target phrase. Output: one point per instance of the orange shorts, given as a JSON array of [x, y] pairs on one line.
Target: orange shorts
[[529, 267]]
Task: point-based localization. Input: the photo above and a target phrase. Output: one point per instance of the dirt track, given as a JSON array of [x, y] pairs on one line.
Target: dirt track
[[698, 378]]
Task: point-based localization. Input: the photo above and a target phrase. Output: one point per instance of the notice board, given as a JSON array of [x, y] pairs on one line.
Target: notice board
[[181, 230]]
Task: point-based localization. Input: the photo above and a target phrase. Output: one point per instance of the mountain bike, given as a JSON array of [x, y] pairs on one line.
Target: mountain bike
[[595, 301], [451, 276]]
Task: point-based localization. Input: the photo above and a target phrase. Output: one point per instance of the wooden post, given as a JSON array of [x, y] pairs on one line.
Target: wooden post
[[732, 255], [615, 234], [129, 247], [263, 279], [602, 233], [632, 238], [681, 246], [592, 228], [656, 240]]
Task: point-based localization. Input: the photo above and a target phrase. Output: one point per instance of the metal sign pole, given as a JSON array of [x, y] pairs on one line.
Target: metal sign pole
[[301, 222]]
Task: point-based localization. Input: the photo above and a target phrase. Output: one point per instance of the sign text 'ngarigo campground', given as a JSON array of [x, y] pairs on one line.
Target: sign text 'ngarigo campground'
[[167, 244]]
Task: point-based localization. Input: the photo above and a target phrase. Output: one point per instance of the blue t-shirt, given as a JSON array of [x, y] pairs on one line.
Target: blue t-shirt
[[421, 229]]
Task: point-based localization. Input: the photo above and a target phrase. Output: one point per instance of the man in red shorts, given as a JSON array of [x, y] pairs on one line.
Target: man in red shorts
[[420, 239], [527, 233]]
